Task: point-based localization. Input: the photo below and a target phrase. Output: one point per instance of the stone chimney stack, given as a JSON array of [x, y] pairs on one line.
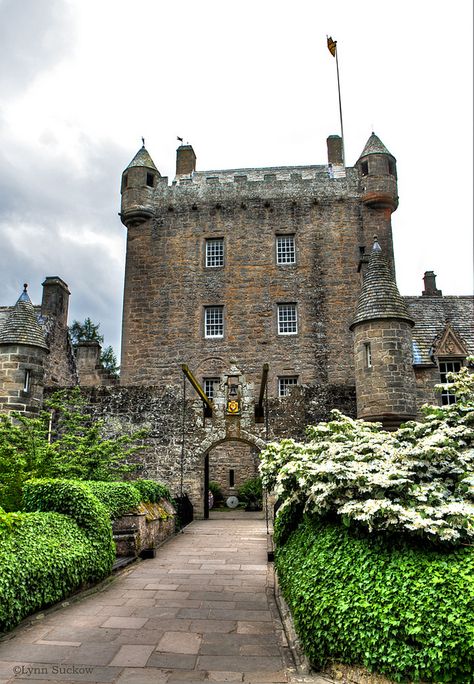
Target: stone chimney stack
[[334, 143], [185, 160], [55, 302], [430, 290]]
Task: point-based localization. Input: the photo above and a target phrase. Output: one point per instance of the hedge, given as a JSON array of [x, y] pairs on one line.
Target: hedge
[[397, 609], [151, 491], [117, 497], [47, 555]]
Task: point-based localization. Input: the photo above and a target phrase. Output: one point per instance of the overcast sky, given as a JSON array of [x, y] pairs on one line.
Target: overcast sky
[[248, 83]]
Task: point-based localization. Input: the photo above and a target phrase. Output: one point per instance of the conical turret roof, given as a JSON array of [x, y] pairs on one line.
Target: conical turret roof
[[374, 146], [142, 158], [379, 297], [21, 325]]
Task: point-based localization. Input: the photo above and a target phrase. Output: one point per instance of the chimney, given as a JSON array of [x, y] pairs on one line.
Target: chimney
[[55, 302], [185, 160], [335, 150], [430, 285]]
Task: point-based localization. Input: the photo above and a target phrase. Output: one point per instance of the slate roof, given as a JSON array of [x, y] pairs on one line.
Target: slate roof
[[374, 146], [142, 158], [431, 315], [379, 297], [20, 324]]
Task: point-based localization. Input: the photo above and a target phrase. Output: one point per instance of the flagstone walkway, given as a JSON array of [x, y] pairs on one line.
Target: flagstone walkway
[[202, 610]]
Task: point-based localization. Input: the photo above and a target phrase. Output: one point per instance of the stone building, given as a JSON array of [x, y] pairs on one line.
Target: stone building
[[268, 285]]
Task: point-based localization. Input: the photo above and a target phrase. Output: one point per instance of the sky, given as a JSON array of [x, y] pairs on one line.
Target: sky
[[248, 84]]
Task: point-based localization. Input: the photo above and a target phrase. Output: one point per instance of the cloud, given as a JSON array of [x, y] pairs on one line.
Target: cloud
[[33, 34]]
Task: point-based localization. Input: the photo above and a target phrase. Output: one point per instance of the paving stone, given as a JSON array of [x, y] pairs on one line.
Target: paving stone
[[239, 663], [254, 627], [170, 624], [245, 615], [195, 613], [161, 587], [187, 676], [132, 655], [91, 654], [270, 677], [119, 611], [179, 642], [26, 653], [143, 675], [172, 661], [204, 626], [125, 622], [225, 676], [155, 611]]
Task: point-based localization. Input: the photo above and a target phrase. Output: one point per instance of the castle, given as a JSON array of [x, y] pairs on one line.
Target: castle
[[273, 291]]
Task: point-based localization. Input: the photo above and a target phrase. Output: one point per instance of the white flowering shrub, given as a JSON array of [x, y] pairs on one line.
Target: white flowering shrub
[[417, 480]]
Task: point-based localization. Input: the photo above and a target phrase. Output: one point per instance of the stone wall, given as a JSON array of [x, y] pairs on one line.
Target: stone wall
[[21, 392], [165, 458], [238, 457], [167, 284]]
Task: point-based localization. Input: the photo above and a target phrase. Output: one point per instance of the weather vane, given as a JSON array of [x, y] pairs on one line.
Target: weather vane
[[143, 141]]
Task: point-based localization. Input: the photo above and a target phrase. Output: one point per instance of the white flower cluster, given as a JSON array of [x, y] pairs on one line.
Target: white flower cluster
[[418, 480]]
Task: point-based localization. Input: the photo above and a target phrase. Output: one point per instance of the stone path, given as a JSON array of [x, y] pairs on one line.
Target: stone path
[[202, 610]]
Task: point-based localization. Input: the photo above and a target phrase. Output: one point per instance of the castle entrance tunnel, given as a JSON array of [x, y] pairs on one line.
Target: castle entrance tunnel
[[229, 464]]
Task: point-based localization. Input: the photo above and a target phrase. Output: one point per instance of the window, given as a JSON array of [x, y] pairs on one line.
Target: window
[[231, 478], [287, 319], [368, 355], [285, 384], [210, 386], [391, 168], [214, 321], [285, 246], [150, 178], [27, 381], [448, 397], [364, 167], [214, 252]]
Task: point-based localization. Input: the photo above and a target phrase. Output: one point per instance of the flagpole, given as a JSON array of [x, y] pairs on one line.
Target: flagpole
[[332, 47], [340, 109]]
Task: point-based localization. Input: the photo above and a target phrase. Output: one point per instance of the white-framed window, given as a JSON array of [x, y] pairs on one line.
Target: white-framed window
[[285, 383], [214, 252], [210, 386], [285, 249], [368, 355], [287, 319], [448, 366], [214, 321]]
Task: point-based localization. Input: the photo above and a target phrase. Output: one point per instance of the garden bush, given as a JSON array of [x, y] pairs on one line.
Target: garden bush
[[250, 493], [399, 609], [151, 491], [417, 481], [118, 497], [47, 554], [216, 491]]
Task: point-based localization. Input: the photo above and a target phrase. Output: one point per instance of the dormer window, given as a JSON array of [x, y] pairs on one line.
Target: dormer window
[[448, 366], [150, 180]]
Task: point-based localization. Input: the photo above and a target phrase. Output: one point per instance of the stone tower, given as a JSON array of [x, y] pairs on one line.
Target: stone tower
[[379, 193], [22, 355], [384, 375]]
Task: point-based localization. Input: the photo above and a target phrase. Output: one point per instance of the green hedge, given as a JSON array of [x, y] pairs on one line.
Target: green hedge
[[402, 611], [117, 497], [151, 491], [47, 555]]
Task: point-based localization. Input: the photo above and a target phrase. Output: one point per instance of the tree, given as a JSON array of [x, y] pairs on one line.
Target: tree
[[89, 332]]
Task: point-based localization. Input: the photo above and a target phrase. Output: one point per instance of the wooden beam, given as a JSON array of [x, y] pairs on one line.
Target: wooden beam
[[189, 374], [259, 412]]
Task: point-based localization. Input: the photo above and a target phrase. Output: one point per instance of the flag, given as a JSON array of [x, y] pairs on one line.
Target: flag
[[332, 46]]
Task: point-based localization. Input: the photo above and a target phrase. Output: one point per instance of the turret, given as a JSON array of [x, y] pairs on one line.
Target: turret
[[185, 160], [379, 193], [385, 380], [22, 354], [139, 181]]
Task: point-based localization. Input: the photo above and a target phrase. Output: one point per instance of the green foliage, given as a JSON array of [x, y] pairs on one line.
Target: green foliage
[[47, 555], [118, 497], [75, 447], [109, 360], [402, 611], [89, 332], [24, 453], [85, 332], [70, 497], [80, 449], [151, 491], [418, 480], [216, 491], [250, 492]]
